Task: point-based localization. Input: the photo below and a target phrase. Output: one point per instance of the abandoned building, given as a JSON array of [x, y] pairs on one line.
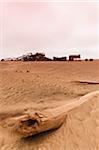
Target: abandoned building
[[41, 57], [36, 57], [74, 57], [59, 58]]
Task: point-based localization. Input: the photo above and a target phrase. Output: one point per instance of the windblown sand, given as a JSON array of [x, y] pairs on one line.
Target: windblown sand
[[30, 86]]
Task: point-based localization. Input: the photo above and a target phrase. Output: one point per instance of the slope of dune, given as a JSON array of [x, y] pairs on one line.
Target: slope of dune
[[28, 87], [79, 131]]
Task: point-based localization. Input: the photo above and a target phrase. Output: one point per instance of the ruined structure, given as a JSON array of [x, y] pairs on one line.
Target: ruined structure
[[36, 57], [41, 57], [59, 58], [74, 57]]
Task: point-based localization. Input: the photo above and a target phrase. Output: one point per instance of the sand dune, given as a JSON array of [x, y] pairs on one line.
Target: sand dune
[[49, 86], [79, 131]]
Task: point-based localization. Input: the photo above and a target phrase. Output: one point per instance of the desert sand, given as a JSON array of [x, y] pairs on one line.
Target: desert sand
[[27, 87]]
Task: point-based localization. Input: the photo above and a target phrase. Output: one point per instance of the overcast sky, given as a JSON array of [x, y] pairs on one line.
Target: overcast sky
[[56, 28]]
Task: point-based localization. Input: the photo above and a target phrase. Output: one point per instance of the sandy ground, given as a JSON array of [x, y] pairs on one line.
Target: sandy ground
[[30, 86]]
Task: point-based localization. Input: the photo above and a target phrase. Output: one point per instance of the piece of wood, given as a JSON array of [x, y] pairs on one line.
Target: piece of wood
[[87, 82], [33, 123]]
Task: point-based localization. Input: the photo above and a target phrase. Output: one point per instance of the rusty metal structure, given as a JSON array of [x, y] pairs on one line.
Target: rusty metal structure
[[36, 57], [74, 57], [41, 57], [59, 58]]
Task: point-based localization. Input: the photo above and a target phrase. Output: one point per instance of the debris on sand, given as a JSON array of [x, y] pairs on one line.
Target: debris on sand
[[87, 81]]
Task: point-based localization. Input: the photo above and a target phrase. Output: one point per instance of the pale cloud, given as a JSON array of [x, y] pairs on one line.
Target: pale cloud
[[56, 28]]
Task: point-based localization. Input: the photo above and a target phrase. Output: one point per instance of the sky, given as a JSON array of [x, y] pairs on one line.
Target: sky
[[57, 28]]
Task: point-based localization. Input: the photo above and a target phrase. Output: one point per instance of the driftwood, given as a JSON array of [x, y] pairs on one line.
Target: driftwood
[[87, 82], [30, 124]]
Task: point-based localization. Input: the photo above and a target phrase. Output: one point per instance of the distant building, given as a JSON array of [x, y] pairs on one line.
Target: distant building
[[39, 56], [74, 57], [59, 58], [36, 57]]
